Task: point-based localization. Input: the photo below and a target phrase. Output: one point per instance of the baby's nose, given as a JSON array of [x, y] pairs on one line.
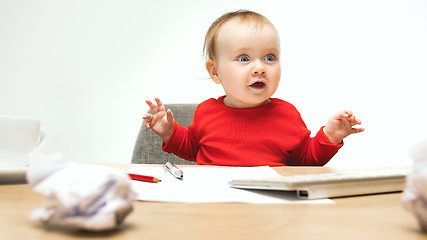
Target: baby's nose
[[258, 69]]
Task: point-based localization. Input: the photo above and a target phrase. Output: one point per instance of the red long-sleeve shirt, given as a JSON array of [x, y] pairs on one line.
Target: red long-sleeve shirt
[[272, 134]]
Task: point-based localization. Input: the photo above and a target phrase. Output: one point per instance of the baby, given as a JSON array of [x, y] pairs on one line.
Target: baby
[[247, 127]]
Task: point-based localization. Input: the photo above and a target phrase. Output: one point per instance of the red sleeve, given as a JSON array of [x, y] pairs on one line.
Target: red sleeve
[[180, 144], [316, 151]]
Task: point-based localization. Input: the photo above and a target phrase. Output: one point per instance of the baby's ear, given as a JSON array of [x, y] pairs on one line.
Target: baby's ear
[[213, 71]]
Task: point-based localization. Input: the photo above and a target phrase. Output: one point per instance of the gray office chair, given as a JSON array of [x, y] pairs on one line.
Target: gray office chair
[[148, 146]]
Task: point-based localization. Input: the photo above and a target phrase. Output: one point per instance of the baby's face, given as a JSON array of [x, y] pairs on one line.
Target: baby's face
[[247, 63]]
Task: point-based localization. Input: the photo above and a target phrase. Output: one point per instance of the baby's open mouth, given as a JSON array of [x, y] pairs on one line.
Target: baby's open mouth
[[257, 85]]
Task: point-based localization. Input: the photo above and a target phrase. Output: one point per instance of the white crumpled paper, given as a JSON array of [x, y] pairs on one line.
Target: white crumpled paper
[[80, 196], [414, 197]]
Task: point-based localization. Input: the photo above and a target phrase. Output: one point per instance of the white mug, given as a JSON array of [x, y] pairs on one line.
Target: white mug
[[19, 137]]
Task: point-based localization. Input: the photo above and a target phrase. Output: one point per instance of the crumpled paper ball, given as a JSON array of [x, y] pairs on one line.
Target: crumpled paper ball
[[414, 197], [79, 196]]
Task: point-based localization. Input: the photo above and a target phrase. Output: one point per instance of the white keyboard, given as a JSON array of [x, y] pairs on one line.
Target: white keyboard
[[349, 176], [343, 183]]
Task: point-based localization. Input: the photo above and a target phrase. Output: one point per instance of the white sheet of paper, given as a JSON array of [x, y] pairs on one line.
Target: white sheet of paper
[[210, 185]]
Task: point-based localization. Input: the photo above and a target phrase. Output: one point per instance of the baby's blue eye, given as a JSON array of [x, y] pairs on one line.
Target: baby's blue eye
[[269, 58], [243, 59]]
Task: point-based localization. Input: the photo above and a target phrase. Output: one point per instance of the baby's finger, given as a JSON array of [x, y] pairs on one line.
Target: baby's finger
[[344, 116], [148, 116], [357, 130], [160, 105], [169, 116], [357, 121], [350, 116], [354, 120], [152, 106]]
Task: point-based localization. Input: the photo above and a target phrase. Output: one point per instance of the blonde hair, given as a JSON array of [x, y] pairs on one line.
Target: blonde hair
[[243, 15]]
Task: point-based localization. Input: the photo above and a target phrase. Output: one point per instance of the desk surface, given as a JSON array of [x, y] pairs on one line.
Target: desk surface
[[365, 217]]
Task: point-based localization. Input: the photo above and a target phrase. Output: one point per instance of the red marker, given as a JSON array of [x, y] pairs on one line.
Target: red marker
[[143, 178]]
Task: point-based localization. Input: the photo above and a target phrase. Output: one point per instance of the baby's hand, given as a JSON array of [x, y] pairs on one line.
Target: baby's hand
[[161, 121], [341, 125]]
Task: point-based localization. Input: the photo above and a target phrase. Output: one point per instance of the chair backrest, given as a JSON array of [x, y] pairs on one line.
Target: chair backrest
[[148, 146]]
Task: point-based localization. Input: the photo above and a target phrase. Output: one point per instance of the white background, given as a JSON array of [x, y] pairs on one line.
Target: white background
[[85, 68]]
